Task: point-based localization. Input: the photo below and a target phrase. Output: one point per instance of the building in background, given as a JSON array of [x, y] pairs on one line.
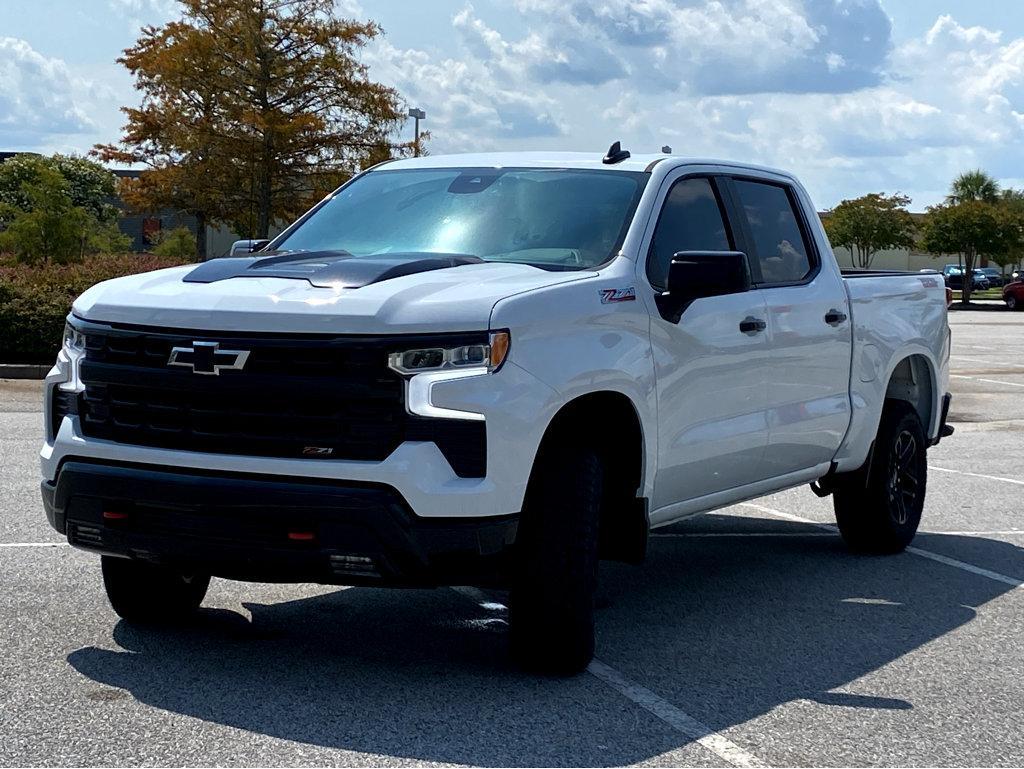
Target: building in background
[[145, 229]]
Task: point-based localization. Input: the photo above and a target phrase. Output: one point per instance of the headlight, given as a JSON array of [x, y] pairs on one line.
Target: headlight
[[71, 353], [489, 356], [74, 340]]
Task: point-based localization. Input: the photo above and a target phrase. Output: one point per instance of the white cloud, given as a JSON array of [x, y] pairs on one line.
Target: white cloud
[[38, 96], [714, 46], [815, 86], [475, 101], [720, 78]]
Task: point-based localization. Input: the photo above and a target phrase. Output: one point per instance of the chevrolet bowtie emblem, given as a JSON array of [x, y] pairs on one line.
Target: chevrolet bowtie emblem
[[207, 358]]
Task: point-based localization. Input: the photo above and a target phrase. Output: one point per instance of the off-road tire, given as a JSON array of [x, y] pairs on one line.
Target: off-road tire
[[878, 508], [145, 593], [551, 605]]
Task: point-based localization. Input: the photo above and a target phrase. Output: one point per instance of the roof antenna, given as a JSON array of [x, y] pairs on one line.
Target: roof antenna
[[667, 150], [615, 154]]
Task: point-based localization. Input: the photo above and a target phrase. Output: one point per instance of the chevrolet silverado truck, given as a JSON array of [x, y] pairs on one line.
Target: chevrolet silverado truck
[[490, 370]]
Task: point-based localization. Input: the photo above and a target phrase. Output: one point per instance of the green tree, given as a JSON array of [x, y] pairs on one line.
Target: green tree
[[179, 242], [252, 110], [869, 224], [88, 184], [971, 229], [1013, 200], [49, 226], [973, 185]]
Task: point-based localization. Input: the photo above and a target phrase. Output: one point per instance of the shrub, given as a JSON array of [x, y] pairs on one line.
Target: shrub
[[34, 301], [48, 225], [90, 185], [178, 243]]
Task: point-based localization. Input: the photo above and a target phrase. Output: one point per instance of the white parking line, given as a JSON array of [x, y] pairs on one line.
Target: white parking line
[[993, 575], [989, 362], [713, 534], [679, 720], [977, 475], [784, 534], [685, 724], [990, 381], [34, 544]]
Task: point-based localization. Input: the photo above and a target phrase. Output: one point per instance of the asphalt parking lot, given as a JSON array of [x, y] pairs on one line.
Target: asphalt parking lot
[[749, 637]]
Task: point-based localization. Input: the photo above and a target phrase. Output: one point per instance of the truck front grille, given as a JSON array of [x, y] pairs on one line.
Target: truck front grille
[[319, 397]]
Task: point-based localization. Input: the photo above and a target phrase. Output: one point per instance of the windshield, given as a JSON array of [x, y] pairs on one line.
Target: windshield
[[557, 219]]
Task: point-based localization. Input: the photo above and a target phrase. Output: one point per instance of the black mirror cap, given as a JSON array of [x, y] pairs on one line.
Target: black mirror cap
[[695, 275]]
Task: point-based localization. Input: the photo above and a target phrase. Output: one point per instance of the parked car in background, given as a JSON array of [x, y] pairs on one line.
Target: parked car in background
[[1013, 295], [995, 276], [954, 276]]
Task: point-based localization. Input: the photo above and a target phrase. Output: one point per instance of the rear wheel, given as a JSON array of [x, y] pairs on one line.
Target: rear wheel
[[878, 508], [146, 593], [551, 605]]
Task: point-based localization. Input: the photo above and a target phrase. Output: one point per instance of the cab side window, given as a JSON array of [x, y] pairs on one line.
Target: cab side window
[[691, 219], [778, 239]]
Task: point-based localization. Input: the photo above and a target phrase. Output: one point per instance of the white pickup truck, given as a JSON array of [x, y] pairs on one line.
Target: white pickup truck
[[490, 370]]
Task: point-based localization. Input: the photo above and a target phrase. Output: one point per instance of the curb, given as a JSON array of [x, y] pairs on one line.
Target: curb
[[23, 371]]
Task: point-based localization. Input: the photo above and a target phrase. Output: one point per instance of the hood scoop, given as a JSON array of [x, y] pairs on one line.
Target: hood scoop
[[327, 269]]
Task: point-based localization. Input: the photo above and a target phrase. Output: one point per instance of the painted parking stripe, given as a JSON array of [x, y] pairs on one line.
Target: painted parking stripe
[[989, 381], [1001, 364], [713, 534], [977, 475], [679, 720], [34, 544], [685, 724], [798, 534], [962, 565]]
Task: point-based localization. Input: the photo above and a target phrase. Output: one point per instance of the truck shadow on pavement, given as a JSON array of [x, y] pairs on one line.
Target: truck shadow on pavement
[[724, 627]]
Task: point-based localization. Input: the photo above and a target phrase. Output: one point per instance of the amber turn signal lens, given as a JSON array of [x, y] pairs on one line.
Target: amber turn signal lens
[[500, 341]]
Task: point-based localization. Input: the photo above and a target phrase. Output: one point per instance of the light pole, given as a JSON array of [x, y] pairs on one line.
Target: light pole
[[417, 115]]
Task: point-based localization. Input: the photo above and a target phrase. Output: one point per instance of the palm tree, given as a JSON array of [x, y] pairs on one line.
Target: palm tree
[[973, 185]]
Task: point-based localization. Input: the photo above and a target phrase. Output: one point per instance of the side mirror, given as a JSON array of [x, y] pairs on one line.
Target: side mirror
[[695, 275], [246, 247]]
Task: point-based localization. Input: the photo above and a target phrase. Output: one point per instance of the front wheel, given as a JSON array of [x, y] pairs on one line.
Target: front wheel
[[878, 509], [146, 593], [551, 604], [1011, 302]]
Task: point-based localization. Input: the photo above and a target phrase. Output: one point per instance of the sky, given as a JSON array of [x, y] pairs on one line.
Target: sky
[[853, 96]]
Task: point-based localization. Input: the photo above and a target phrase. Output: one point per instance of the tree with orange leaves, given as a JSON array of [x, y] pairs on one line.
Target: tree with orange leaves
[[251, 110]]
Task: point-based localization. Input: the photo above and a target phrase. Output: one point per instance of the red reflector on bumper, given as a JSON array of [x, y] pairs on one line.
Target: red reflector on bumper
[[110, 515], [300, 536]]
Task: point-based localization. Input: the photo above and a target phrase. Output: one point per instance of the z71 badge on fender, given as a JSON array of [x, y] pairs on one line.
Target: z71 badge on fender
[[612, 295]]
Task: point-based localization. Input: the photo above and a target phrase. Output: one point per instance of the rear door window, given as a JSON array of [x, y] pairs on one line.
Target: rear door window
[[778, 239]]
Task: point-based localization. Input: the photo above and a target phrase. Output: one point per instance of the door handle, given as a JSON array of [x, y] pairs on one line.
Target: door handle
[[751, 325], [835, 317]]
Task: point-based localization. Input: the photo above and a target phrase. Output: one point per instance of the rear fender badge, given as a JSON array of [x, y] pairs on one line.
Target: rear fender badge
[[613, 295], [317, 451]]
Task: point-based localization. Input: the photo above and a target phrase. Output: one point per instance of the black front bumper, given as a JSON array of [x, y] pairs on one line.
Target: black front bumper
[[272, 529]]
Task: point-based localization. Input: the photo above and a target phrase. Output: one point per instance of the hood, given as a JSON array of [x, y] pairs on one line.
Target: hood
[[449, 295]]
